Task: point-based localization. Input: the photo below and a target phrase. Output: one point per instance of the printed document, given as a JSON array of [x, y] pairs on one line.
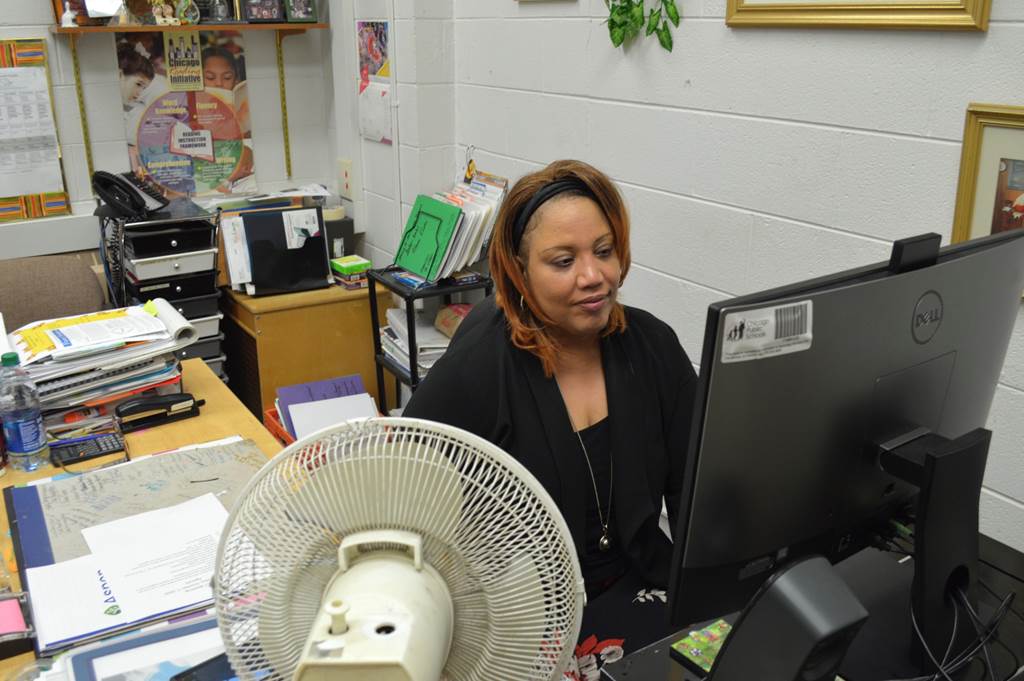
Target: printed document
[[29, 156], [141, 568], [163, 559]]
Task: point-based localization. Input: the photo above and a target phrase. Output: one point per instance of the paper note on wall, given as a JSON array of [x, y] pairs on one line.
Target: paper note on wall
[[29, 157], [375, 113]]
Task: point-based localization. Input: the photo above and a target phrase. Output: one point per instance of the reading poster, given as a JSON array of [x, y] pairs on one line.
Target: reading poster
[[186, 111]]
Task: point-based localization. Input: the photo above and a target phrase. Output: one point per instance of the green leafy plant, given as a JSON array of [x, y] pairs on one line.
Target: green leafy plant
[[629, 18]]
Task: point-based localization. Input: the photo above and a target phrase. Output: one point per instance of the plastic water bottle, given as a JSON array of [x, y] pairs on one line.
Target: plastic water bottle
[[27, 449]]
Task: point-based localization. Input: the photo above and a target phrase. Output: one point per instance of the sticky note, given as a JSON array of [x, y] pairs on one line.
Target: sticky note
[[150, 307], [11, 618]]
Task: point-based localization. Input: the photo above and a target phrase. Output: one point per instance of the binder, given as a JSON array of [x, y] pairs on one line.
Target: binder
[[428, 237], [287, 250]]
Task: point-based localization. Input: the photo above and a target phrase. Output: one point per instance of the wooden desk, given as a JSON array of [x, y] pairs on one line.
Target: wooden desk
[[222, 416], [273, 341]]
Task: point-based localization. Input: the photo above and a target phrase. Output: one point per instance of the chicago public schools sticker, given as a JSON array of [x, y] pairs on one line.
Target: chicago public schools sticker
[[767, 332]]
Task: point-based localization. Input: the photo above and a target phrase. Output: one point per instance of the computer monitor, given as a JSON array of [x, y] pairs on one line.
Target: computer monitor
[[806, 391]]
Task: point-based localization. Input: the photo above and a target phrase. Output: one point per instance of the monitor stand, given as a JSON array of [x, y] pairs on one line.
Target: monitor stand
[[881, 649], [948, 475]]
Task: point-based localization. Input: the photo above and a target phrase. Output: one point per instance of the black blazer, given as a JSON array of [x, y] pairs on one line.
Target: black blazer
[[489, 387]]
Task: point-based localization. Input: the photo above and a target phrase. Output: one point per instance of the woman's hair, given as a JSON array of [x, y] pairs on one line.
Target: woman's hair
[[131, 63], [215, 51], [507, 255]]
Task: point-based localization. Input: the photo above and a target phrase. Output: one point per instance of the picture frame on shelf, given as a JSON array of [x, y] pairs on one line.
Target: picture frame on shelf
[[300, 10], [970, 15], [990, 190], [263, 10]]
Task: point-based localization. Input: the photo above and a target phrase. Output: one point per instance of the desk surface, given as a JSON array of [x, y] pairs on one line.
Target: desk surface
[[222, 416]]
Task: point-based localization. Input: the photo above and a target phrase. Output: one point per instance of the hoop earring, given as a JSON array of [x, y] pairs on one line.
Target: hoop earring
[[522, 304]]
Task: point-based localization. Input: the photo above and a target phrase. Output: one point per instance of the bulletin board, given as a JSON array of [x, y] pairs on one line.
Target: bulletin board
[[30, 157]]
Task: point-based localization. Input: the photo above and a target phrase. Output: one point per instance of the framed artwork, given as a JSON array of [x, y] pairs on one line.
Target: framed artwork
[[990, 192], [300, 10], [262, 10], [903, 14]]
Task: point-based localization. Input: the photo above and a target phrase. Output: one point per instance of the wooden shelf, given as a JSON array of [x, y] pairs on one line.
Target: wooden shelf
[[296, 27]]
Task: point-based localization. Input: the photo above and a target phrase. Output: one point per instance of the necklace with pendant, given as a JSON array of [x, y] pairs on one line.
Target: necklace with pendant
[[605, 542]]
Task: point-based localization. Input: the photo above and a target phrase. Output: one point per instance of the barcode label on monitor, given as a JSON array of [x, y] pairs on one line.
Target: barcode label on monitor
[[766, 332], [790, 321]]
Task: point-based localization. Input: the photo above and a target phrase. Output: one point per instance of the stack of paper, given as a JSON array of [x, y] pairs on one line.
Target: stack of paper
[[430, 343], [91, 359], [144, 567], [450, 230], [291, 395], [308, 407]]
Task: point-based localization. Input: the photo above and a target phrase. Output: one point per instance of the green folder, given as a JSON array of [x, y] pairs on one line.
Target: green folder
[[427, 237]]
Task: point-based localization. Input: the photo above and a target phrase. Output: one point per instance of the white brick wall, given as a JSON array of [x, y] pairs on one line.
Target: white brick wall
[[750, 158], [307, 109]]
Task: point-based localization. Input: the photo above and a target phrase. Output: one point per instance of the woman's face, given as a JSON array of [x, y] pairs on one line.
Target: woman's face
[[217, 72], [572, 268], [132, 87]]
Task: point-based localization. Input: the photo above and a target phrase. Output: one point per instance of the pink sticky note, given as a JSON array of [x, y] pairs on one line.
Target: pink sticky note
[[11, 618]]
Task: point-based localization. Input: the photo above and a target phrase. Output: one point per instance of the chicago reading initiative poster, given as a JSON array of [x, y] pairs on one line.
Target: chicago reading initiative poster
[[186, 111]]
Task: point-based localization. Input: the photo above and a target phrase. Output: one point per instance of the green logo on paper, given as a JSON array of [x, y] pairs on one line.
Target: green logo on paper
[[113, 610]]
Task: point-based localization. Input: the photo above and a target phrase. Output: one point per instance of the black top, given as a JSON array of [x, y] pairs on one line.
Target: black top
[[599, 567], [489, 387]]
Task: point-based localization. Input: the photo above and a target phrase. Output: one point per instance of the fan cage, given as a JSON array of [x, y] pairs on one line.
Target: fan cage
[[488, 527]]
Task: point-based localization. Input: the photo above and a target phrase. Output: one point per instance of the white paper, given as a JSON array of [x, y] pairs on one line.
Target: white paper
[[162, 560], [29, 162], [309, 417], [299, 225], [103, 8], [73, 598], [236, 250], [375, 113]]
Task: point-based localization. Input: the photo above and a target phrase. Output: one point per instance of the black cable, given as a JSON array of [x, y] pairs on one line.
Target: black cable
[[969, 653], [991, 591], [997, 618], [976, 621], [924, 643]]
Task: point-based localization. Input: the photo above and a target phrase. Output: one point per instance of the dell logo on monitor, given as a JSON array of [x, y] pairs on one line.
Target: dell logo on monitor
[[927, 317]]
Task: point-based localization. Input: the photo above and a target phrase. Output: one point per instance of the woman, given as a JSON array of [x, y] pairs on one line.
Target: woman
[[593, 397]]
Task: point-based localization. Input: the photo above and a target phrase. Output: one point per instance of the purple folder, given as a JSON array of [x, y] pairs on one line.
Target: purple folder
[[313, 391]]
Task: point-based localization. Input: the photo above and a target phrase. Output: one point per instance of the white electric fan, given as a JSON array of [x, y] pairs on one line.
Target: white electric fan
[[397, 550]]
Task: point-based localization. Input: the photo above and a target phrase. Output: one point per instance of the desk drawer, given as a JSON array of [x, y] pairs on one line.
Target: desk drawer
[[204, 347], [180, 238], [174, 288], [207, 326], [171, 265]]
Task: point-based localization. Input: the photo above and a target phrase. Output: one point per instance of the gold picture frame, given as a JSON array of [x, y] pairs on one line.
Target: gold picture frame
[[966, 15], [990, 191]]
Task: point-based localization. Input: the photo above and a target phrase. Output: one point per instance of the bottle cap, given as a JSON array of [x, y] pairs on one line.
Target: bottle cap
[[9, 359]]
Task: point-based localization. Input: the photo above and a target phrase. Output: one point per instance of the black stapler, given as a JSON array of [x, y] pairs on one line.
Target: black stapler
[[144, 412]]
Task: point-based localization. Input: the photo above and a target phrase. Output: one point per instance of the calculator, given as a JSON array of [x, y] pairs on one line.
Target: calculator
[[83, 449]]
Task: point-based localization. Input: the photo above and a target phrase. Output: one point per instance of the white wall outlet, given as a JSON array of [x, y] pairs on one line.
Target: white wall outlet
[[347, 185]]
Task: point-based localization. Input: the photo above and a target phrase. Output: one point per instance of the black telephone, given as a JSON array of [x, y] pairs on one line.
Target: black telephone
[[127, 194]]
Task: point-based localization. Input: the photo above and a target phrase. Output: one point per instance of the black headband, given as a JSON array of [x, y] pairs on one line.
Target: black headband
[[548, 191]]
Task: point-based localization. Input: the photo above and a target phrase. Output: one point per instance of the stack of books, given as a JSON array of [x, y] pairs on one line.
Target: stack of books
[[394, 340], [84, 365], [450, 230], [350, 271]]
